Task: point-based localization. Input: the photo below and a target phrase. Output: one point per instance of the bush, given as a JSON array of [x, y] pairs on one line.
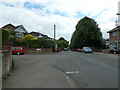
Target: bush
[[5, 34]]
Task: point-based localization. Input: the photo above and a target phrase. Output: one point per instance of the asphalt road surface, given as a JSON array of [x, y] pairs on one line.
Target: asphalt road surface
[[86, 70], [89, 70]]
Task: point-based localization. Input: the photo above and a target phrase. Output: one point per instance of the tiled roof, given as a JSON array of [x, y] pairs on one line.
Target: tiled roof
[[12, 27], [37, 34]]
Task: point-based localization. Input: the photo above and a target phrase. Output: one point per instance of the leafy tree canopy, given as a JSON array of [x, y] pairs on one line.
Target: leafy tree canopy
[[87, 33], [61, 38], [63, 43]]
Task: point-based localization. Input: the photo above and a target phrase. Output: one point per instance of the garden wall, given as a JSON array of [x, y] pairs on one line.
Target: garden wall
[[6, 59], [105, 51]]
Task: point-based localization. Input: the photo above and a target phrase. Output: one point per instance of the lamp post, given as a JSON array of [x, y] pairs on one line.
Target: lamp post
[[54, 31]]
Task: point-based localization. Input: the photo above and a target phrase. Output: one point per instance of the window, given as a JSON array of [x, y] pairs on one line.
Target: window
[[20, 34], [113, 34]]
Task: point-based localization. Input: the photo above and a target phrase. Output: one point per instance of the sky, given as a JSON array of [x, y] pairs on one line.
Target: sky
[[41, 15]]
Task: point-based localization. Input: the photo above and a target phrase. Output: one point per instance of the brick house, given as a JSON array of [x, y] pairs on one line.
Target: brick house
[[114, 38], [20, 30], [114, 34]]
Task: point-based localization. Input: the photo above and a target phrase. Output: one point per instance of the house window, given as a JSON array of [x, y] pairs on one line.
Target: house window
[[113, 34], [20, 35]]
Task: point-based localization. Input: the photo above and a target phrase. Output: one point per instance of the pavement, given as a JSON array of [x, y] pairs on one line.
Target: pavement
[[115, 56], [37, 73]]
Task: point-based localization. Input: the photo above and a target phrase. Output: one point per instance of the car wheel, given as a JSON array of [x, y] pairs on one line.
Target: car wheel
[[114, 52], [18, 53]]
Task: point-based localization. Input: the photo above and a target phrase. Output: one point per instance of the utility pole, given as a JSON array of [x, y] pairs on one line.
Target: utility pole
[[54, 31]]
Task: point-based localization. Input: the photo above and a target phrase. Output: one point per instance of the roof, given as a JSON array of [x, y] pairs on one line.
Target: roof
[[115, 29], [12, 27], [37, 34]]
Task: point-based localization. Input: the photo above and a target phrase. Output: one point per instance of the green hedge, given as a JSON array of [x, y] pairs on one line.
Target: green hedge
[[5, 34]]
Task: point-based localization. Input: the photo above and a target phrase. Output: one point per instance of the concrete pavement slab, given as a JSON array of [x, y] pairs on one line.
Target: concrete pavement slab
[[38, 75]]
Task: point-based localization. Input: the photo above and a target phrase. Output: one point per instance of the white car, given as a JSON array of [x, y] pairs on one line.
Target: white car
[[86, 50]]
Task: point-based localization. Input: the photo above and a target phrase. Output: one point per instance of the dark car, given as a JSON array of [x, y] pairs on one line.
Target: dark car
[[115, 51], [17, 50], [86, 50]]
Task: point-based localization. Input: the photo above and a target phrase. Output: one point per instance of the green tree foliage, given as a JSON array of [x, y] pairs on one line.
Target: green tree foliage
[[5, 34], [87, 33], [13, 38], [37, 43], [28, 37], [61, 38], [63, 43], [45, 43]]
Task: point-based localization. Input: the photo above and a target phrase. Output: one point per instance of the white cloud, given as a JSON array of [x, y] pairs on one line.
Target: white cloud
[[103, 11]]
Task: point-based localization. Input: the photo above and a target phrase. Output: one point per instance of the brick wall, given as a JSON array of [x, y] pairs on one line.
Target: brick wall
[[1, 69], [37, 50], [105, 51], [6, 46], [6, 62], [6, 59], [118, 34], [114, 38]]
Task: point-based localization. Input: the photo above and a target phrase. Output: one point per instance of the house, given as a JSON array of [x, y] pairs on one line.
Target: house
[[106, 43], [114, 34], [20, 30], [39, 35], [114, 38], [36, 34]]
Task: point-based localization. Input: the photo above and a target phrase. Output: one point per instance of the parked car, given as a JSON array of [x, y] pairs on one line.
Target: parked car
[[79, 49], [115, 51], [17, 50], [66, 49], [86, 50]]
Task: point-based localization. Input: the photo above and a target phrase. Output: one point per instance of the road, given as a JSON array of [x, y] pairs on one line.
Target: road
[[85, 70], [95, 70]]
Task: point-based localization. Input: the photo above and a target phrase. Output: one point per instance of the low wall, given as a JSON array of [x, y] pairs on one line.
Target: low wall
[[6, 62], [0, 69], [105, 51], [37, 50], [47, 50], [6, 46], [6, 59]]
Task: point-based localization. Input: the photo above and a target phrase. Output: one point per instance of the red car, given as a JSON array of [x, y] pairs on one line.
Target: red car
[[17, 50], [79, 49]]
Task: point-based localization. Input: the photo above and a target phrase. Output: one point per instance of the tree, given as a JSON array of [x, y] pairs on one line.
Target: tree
[[13, 38], [27, 38], [63, 43], [87, 33], [61, 38]]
